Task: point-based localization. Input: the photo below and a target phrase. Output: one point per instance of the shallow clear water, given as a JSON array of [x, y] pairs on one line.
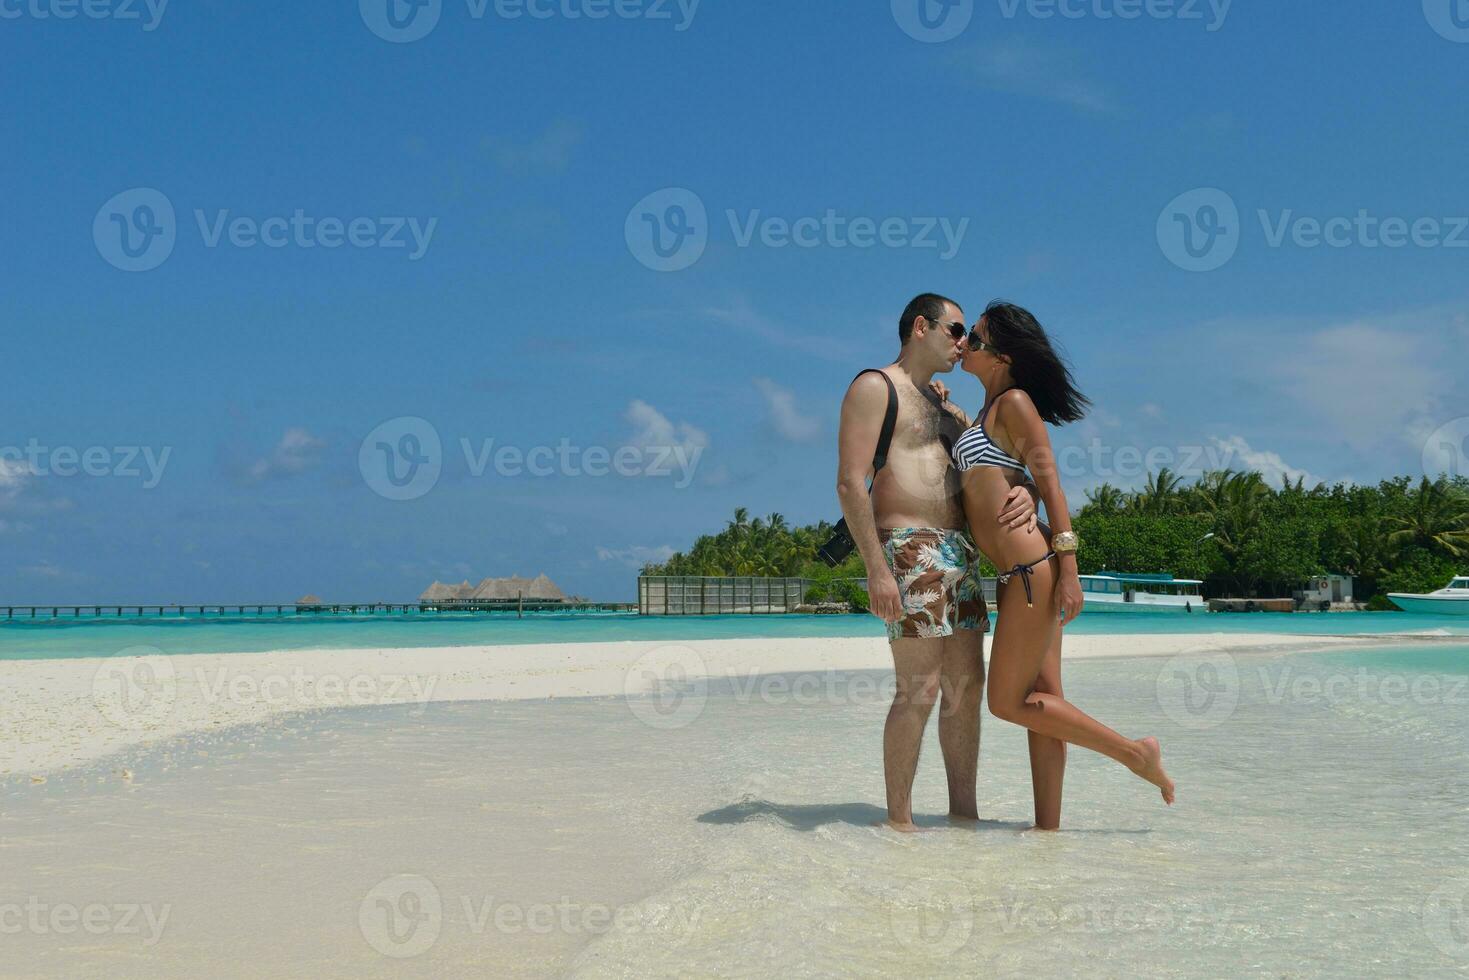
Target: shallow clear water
[[23, 639], [1322, 829]]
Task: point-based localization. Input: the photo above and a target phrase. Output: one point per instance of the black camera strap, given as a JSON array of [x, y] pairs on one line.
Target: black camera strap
[[889, 424], [835, 551]]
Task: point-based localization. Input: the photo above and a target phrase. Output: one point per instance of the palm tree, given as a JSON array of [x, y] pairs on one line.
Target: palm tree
[[1437, 518], [1105, 499], [1160, 494], [1364, 547]]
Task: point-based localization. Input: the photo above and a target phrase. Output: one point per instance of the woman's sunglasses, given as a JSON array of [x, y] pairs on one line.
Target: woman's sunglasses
[[976, 344]]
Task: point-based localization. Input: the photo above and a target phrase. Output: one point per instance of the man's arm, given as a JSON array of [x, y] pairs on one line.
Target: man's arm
[[862, 413]]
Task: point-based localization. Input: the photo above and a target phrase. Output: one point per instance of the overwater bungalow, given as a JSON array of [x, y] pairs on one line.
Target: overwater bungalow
[[493, 591]]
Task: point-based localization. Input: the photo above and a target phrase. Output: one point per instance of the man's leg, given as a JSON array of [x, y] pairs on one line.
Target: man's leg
[[962, 682], [918, 666]]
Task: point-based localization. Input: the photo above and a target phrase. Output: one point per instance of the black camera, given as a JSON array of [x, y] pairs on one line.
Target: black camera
[[835, 551]]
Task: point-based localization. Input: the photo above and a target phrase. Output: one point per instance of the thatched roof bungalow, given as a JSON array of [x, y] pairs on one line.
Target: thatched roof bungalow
[[494, 590]]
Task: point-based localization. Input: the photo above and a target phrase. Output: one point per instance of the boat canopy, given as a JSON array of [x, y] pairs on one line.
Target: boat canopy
[[1145, 579], [1460, 582]]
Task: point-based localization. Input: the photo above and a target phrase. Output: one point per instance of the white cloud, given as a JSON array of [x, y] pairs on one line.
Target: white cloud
[[653, 430], [740, 315], [787, 418], [297, 452], [547, 152], [1026, 68], [1367, 383], [14, 475], [1236, 453], [637, 556]]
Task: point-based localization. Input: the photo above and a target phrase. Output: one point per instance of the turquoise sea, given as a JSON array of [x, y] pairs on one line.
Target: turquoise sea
[[42, 639]]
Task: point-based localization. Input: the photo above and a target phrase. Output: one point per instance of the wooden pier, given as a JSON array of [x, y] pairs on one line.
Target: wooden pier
[[132, 610]]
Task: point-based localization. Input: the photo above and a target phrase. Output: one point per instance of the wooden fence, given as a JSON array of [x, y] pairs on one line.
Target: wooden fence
[[692, 595]]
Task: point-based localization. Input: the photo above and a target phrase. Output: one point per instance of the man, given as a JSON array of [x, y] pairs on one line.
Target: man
[[922, 567]]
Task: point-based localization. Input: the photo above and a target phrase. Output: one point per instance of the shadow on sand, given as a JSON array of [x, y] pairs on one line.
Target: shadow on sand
[[809, 816]]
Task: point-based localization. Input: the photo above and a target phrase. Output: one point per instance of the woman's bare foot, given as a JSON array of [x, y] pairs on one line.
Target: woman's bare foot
[[902, 828], [1152, 767]]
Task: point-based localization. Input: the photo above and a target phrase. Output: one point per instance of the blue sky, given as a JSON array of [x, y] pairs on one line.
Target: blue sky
[[495, 174]]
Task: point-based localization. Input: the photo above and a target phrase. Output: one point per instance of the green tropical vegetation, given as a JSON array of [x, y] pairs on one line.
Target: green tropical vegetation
[[1232, 529]]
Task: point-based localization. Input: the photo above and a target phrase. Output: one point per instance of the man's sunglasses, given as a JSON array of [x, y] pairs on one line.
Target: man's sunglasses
[[956, 330], [977, 344]]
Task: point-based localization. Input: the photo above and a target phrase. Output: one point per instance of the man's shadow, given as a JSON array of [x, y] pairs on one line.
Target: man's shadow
[[809, 816]]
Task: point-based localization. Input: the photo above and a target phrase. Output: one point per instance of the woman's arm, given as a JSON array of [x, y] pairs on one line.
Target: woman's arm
[[942, 391], [1017, 416]]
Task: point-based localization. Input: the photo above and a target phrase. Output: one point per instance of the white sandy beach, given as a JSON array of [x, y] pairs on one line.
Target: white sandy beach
[[61, 714]]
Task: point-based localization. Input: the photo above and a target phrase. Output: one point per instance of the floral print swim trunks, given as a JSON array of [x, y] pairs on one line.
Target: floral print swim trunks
[[938, 579]]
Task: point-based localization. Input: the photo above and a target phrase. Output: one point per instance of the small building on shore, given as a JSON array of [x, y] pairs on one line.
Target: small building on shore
[[493, 591]]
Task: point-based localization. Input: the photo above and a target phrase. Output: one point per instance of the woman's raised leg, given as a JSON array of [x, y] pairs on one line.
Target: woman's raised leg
[[1021, 644]]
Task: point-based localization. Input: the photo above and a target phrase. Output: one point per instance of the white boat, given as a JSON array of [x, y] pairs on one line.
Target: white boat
[[1116, 592], [1451, 600]]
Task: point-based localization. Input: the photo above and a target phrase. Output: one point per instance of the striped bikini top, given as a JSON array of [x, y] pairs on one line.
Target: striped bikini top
[[975, 447]]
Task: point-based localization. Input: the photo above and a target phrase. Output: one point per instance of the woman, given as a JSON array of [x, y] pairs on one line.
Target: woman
[[1026, 386]]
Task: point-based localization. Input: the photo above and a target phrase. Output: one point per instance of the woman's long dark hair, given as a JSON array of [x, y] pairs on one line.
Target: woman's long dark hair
[[1034, 364]]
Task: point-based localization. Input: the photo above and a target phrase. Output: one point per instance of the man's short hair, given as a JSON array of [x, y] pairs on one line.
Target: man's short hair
[[930, 306]]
